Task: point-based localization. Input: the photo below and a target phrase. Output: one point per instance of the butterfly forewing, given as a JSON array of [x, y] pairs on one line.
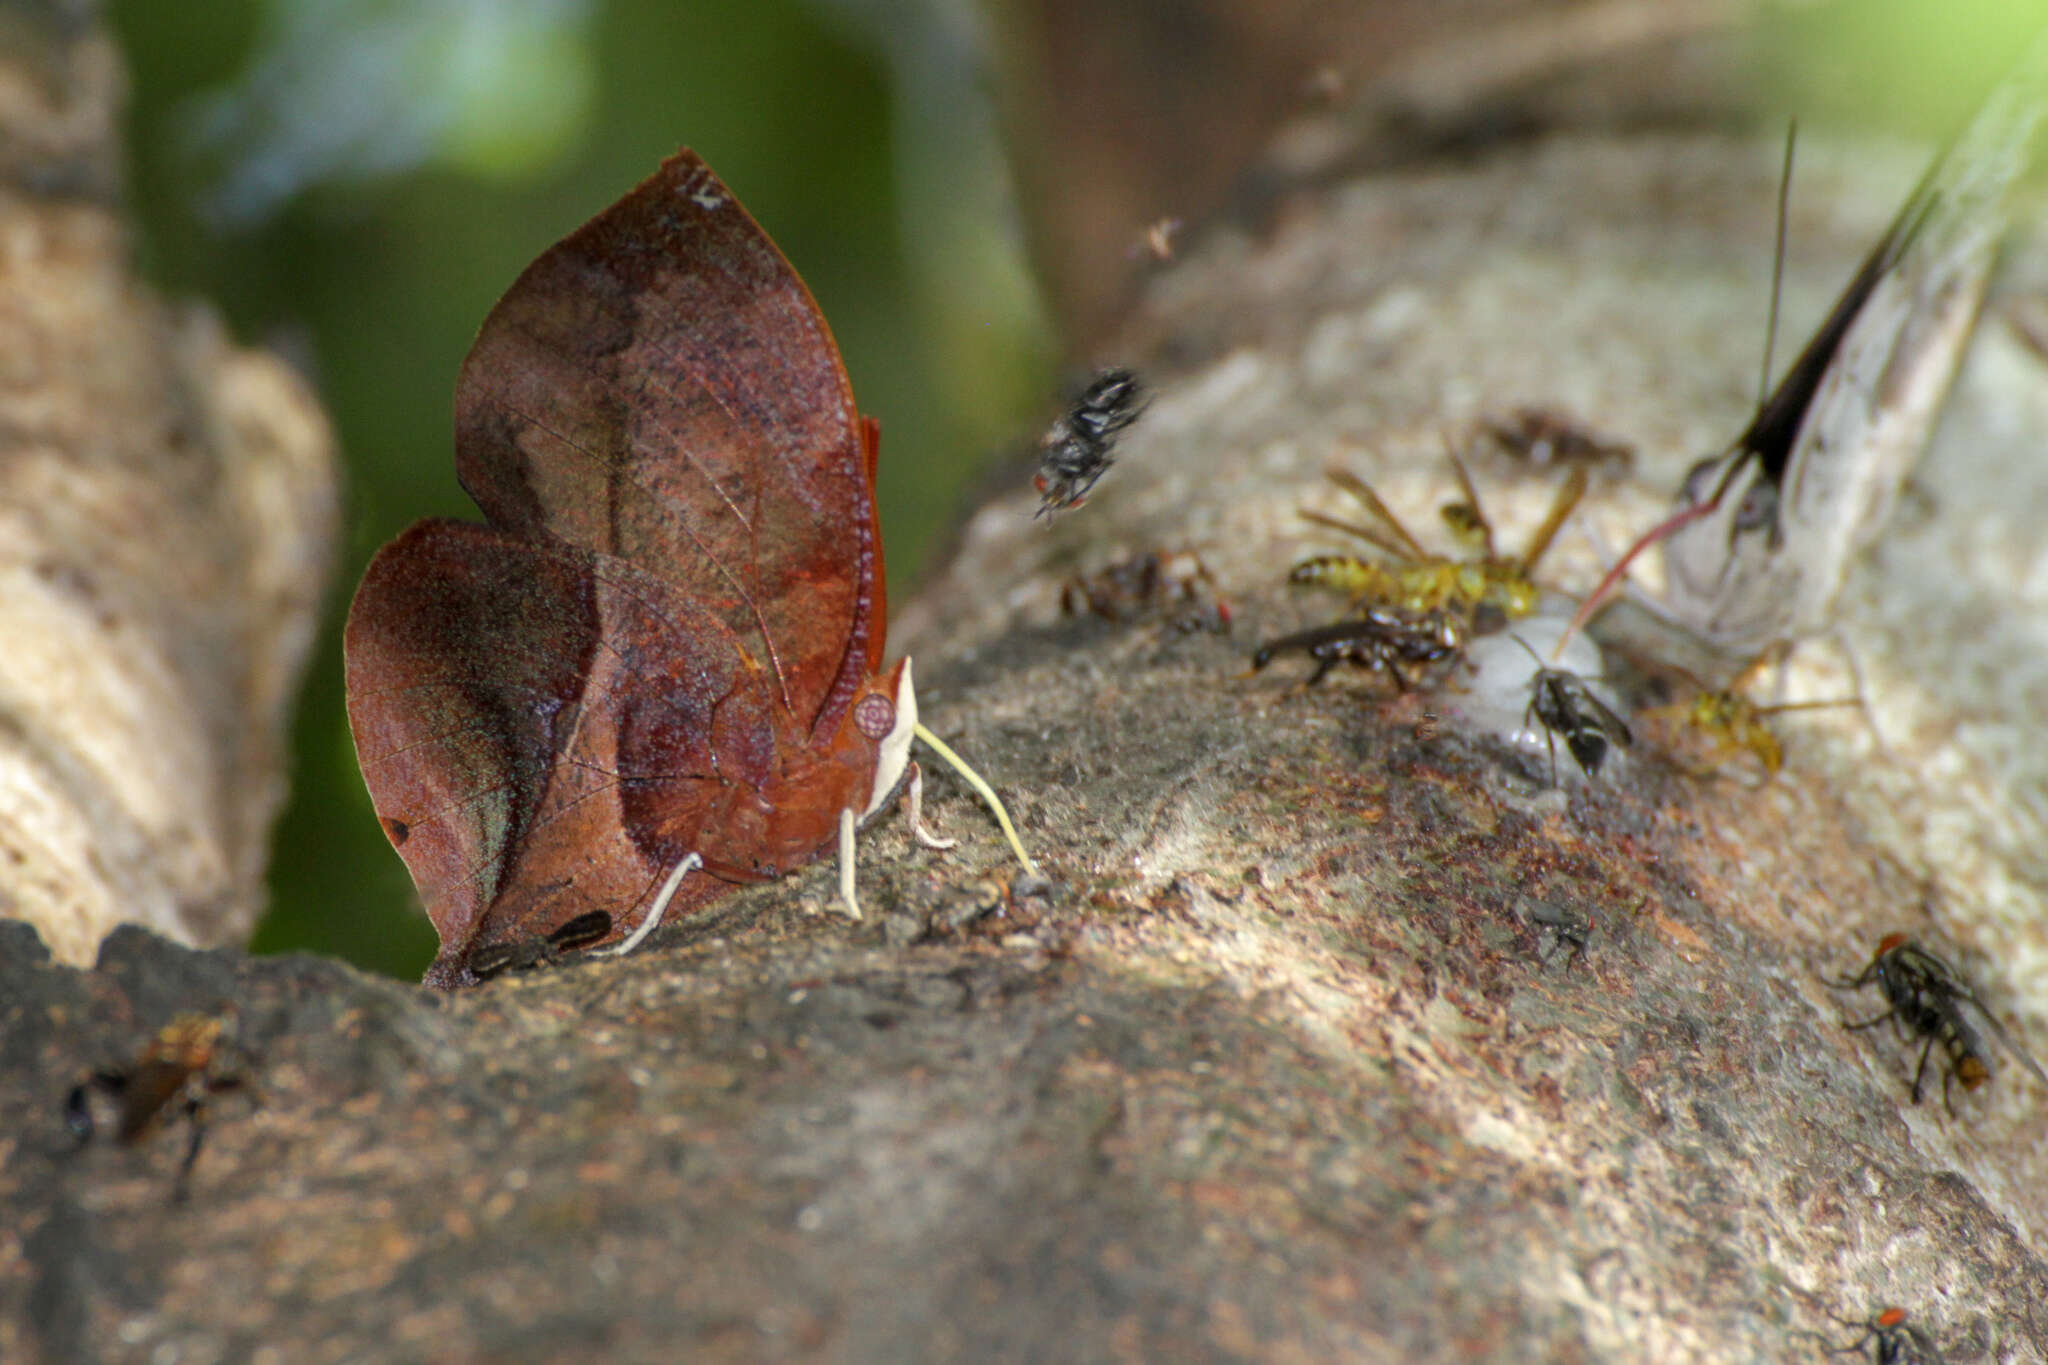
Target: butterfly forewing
[[1812, 479], [660, 386]]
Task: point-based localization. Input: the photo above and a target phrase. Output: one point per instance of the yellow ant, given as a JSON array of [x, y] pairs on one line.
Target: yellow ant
[[1734, 724], [1417, 581]]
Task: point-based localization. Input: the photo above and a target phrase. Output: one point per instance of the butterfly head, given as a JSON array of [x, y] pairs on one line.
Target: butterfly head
[[886, 714]]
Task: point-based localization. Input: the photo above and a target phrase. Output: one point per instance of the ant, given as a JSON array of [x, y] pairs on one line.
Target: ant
[[1543, 437], [1152, 583], [1381, 640], [180, 1070], [1419, 581], [1926, 996], [1733, 723]]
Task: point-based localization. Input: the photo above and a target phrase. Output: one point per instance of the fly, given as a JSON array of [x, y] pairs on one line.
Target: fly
[[1894, 1341], [1562, 703], [181, 1069], [1075, 451], [1927, 999]]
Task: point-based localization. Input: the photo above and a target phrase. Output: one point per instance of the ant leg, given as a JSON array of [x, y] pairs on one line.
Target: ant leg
[[1872, 1023], [1948, 1073], [1323, 667]]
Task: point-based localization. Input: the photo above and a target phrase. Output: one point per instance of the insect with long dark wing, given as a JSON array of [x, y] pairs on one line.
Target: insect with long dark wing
[[1927, 998], [1564, 705], [178, 1073], [1893, 1341], [1075, 451], [1764, 534], [521, 955], [1381, 640], [1417, 581]]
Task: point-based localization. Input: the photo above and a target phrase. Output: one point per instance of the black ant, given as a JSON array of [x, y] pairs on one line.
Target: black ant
[[1075, 450], [1926, 996], [183, 1067], [1381, 640]]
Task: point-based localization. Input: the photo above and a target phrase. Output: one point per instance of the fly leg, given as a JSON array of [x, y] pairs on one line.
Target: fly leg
[[1920, 1073], [195, 1119]]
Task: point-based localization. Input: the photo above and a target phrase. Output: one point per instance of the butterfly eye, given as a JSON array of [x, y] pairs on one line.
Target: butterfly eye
[[1759, 507]]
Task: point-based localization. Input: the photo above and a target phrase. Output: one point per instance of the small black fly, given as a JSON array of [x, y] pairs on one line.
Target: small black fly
[[1893, 1341], [1075, 450], [1927, 997]]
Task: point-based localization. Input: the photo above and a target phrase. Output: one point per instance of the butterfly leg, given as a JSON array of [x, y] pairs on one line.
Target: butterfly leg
[[847, 899], [914, 797], [651, 921]]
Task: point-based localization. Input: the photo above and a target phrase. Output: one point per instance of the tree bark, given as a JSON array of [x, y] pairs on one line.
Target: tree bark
[[1278, 1070], [168, 501]]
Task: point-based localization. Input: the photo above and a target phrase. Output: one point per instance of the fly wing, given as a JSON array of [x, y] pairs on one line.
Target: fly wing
[[1997, 1031], [1812, 480]]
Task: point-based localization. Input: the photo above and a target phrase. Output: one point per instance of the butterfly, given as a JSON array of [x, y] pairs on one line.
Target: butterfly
[[1764, 534], [655, 671]]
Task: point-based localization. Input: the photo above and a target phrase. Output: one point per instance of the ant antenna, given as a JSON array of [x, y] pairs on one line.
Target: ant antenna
[[1763, 384]]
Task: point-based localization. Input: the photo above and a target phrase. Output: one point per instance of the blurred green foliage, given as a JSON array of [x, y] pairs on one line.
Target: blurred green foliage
[[377, 285]]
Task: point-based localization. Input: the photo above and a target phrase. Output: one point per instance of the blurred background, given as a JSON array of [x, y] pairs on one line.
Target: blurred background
[[966, 187]]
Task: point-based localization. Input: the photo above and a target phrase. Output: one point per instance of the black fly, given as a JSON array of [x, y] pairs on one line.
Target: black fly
[[1893, 1341], [1927, 996], [184, 1066], [1075, 450], [525, 954], [1381, 640], [1564, 705]]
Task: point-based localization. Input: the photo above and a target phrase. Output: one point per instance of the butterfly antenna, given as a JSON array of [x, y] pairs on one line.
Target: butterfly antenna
[[986, 792], [1763, 384]]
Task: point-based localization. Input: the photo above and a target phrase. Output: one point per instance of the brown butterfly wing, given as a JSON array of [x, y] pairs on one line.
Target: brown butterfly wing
[[545, 731], [660, 386]]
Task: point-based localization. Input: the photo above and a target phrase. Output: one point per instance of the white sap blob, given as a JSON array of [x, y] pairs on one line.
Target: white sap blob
[[1491, 692]]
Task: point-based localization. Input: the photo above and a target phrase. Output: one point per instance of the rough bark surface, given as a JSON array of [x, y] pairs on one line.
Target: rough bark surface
[[167, 503], [1278, 1070]]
